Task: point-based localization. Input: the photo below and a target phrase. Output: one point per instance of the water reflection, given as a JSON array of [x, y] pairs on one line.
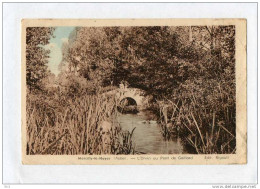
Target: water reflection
[[147, 137]]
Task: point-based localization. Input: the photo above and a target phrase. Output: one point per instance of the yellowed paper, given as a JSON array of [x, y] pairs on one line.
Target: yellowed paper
[[61, 141]]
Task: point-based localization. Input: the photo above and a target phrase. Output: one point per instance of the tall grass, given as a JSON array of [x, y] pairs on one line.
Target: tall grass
[[206, 127], [72, 126]]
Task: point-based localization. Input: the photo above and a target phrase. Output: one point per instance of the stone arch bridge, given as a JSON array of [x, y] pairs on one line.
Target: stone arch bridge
[[136, 94]]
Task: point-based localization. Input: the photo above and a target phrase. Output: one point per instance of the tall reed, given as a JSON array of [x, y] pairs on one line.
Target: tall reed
[[204, 129], [73, 126]]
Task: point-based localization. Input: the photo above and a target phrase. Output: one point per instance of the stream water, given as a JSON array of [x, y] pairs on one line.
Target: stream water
[[147, 137]]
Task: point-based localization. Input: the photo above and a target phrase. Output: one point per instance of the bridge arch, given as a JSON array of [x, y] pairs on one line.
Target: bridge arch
[[135, 94], [128, 101]]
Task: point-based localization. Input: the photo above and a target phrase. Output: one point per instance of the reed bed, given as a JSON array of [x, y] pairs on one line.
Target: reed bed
[[73, 126], [206, 127]]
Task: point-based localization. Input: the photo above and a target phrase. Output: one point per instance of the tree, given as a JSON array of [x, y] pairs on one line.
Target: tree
[[37, 55], [155, 59], [90, 53], [148, 59], [145, 57]]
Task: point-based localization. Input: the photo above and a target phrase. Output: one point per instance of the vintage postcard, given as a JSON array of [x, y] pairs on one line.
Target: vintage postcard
[[134, 91]]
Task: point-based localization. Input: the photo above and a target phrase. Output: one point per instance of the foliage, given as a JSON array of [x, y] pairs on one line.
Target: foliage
[[88, 56], [203, 105], [37, 55], [74, 86], [110, 55]]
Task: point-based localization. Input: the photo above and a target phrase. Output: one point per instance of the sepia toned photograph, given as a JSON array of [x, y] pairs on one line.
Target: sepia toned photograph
[[129, 90]]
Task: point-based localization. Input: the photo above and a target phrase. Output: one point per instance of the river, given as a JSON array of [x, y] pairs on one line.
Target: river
[[147, 137]]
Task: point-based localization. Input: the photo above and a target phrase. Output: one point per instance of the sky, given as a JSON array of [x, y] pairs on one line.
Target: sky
[[61, 35]]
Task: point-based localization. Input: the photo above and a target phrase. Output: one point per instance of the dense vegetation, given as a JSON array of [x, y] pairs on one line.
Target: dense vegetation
[[36, 55], [189, 71]]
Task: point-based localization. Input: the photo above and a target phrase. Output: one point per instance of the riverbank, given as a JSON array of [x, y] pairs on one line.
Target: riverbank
[[203, 130], [59, 125]]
